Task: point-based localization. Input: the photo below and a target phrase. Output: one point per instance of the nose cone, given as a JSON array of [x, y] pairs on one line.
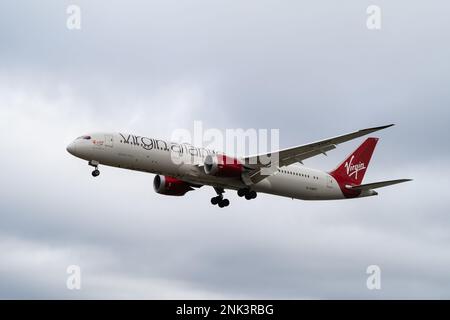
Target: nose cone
[[71, 148]]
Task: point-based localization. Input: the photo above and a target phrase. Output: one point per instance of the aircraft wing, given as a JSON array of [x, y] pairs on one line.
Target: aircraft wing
[[375, 185], [289, 156]]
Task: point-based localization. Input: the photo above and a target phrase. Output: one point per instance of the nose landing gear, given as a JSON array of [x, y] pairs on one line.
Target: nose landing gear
[[219, 200], [96, 172]]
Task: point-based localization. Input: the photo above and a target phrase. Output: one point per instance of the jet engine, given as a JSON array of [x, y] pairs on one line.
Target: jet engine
[[170, 186], [222, 166]]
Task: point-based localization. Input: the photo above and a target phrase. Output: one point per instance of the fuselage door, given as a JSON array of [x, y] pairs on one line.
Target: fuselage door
[[109, 140]]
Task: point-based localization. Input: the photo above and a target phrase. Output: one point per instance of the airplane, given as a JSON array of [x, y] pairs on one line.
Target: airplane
[[283, 174]]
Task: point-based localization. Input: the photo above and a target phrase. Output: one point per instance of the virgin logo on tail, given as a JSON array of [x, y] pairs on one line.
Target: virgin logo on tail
[[353, 169]]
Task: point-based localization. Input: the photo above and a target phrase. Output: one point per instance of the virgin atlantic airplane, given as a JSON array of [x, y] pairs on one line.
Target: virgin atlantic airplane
[[283, 175]]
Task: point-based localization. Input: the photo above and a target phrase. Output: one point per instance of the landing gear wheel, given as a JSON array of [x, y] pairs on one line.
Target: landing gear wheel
[[224, 203], [250, 195], [95, 173], [215, 200], [242, 192]]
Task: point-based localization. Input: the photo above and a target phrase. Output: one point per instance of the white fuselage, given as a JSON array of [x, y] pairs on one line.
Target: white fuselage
[[160, 157]]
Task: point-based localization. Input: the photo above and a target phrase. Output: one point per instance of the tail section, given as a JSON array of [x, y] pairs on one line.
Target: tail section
[[351, 171]]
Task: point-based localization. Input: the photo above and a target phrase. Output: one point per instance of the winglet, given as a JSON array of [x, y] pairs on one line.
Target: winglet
[[373, 129]]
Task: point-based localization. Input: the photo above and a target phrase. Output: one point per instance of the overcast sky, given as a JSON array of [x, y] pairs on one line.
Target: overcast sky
[[311, 69]]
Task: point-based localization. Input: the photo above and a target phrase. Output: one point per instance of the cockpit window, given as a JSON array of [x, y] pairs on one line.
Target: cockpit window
[[84, 138]]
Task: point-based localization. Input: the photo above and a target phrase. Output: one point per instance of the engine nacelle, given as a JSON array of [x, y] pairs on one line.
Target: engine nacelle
[[170, 186], [222, 166]]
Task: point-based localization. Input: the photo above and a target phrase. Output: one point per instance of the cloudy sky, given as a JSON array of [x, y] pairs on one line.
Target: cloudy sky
[[311, 69]]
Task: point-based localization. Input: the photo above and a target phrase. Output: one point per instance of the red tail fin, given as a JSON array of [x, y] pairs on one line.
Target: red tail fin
[[351, 171]]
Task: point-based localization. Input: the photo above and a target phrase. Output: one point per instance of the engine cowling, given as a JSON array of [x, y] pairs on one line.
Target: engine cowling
[[170, 186], [222, 166]]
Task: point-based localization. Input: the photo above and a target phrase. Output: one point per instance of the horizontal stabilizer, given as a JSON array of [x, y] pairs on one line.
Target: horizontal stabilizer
[[376, 185]]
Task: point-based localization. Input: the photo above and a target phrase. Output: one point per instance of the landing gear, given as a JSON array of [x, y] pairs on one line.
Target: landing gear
[[251, 195], [247, 193], [242, 192], [215, 200], [219, 200], [224, 203], [94, 164], [96, 173]]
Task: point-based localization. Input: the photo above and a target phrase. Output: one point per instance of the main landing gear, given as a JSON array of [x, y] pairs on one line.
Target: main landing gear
[[247, 193], [219, 200], [95, 164]]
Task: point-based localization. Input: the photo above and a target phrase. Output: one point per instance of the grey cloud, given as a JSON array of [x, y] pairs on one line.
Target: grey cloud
[[312, 70]]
